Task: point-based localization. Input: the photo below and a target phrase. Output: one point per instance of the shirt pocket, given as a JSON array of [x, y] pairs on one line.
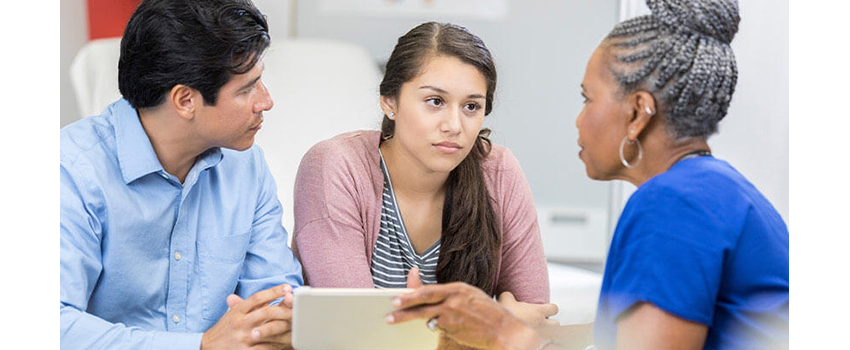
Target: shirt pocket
[[220, 266]]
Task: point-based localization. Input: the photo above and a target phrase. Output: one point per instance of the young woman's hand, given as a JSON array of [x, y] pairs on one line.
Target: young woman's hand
[[534, 315]]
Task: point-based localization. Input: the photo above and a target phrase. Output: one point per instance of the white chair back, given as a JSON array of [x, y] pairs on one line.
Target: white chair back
[[321, 89], [94, 75]]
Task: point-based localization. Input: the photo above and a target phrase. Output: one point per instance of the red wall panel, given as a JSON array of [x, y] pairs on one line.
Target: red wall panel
[[107, 18]]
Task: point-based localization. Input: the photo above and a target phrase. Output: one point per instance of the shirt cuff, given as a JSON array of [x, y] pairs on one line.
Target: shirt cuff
[[276, 301], [176, 341]]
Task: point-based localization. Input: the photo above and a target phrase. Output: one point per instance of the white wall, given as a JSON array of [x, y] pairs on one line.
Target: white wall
[[279, 15], [73, 35], [754, 135]]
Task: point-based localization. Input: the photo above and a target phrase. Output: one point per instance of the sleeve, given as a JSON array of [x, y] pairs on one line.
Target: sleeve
[[670, 253], [523, 269], [330, 235], [269, 261], [79, 269]]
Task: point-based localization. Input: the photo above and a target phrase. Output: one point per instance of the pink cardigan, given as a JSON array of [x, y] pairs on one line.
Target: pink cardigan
[[338, 214]]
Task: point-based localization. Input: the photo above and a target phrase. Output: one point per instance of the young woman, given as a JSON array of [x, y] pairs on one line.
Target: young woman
[[699, 258], [429, 193]]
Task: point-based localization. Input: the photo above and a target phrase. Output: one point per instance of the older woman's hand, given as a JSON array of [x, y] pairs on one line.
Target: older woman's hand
[[534, 315], [467, 315]]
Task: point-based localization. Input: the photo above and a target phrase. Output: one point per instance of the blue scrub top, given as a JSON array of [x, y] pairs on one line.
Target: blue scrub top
[[702, 243]]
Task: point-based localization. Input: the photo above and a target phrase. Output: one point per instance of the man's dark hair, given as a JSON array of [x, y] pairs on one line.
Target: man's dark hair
[[197, 43]]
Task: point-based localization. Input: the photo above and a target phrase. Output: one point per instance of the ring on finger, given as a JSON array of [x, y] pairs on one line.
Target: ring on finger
[[432, 324]]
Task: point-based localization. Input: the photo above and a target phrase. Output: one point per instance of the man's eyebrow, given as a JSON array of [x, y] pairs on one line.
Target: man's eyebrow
[[254, 81], [250, 83], [446, 92]]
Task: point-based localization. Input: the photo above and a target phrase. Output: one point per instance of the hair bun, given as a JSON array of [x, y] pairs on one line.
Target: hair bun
[[715, 18]]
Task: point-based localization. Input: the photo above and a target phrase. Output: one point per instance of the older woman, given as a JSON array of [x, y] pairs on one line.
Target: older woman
[[699, 258]]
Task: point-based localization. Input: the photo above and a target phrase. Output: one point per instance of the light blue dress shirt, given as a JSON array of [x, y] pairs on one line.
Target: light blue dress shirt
[[147, 262]]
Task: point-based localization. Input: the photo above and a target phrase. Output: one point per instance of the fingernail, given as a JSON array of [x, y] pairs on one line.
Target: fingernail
[[256, 334], [287, 288], [390, 319], [396, 302]]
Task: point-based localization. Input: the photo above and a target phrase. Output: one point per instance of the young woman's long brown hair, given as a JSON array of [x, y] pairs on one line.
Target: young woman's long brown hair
[[471, 237]]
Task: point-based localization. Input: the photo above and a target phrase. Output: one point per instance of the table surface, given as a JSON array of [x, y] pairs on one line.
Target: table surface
[[575, 291]]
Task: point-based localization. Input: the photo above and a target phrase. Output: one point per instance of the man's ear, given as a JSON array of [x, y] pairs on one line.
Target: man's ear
[[388, 105], [643, 108], [185, 100]]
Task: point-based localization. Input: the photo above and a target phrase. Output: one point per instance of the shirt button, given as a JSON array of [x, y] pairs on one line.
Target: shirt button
[[176, 318], [178, 256]]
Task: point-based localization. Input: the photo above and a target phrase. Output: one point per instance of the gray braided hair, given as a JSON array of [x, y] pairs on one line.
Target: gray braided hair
[[681, 53]]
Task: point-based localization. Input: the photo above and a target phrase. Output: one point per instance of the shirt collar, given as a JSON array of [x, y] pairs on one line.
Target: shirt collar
[[136, 156], [209, 158]]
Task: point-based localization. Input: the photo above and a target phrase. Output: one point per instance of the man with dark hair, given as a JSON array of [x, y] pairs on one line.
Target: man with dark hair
[[169, 216]]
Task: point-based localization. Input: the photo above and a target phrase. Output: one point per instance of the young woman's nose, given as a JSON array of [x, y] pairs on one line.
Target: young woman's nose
[[451, 121]]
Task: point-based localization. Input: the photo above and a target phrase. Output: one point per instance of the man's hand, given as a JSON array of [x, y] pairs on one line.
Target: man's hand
[[467, 315], [534, 315], [253, 323]]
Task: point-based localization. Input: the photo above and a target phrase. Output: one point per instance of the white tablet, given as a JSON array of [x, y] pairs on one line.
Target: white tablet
[[353, 319]]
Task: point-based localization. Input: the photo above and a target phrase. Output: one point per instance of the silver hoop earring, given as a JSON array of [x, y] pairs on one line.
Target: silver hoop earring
[[649, 111], [623, 158]]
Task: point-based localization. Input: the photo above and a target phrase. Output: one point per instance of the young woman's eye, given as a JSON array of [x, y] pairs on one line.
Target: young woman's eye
[[585, 98], [435, 102], [472, 107]]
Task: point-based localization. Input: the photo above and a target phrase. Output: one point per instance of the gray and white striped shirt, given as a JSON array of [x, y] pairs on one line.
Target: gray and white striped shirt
[[393, 256]]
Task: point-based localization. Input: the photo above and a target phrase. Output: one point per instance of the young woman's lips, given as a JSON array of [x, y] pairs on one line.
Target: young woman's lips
[[447, 147]]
